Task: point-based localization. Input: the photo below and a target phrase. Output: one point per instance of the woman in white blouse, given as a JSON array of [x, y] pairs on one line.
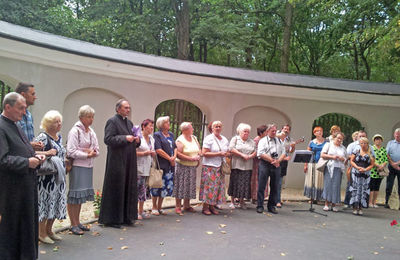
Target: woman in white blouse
[[336, 153], [145, 153], [212, 185], [243, 151]]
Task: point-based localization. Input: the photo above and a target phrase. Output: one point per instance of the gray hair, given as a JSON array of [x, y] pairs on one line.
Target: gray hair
[[119, 104], [217, 122], [11, 98], [397, 130], [184, 126], [241, 127], [49, 118], [269, 126], [161, 120], [85, 110]]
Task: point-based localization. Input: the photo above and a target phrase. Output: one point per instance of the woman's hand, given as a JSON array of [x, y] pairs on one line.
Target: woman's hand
[[92, 153], [51, 152], [305, 168]]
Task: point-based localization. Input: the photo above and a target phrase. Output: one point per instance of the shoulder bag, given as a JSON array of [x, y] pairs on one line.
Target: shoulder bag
[[384, 172], [47, 167], [225, 166], [321, 164], [155, 178]]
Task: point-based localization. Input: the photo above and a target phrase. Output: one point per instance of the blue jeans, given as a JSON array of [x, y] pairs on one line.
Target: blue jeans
[[265, 171], [390, 182]]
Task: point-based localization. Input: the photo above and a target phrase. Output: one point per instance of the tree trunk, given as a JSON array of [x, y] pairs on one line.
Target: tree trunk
[[201, 51], [205, 51], [181, 8], [356, 61], [286, 38], [366, 64]]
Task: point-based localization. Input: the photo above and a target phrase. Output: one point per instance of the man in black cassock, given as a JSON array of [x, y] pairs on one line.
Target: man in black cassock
[[119, 200], [18, 185]]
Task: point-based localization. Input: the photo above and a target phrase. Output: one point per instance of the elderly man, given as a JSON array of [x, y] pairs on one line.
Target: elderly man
[[26, 123], [119, 202], [18, 185], [271, 152], [393, 153]]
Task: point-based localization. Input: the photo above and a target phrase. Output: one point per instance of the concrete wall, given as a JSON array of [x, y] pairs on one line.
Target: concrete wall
[[65, 82]]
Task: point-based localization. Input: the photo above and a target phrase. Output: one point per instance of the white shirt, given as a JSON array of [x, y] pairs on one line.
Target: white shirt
[[269, 146], [144, 162], [210, 143]]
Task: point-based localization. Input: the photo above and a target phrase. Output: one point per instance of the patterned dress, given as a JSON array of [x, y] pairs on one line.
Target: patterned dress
[[359, 187], [52, 198], [309, 192]]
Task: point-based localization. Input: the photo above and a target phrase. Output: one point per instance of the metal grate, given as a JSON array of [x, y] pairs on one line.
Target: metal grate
[[347, 124], [4, 90], [182, 111]]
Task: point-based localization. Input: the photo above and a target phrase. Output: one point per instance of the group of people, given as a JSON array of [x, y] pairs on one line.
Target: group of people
[[365, 166], [257, 167]]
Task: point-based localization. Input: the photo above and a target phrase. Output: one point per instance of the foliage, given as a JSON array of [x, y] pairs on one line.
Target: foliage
[[345, 39]]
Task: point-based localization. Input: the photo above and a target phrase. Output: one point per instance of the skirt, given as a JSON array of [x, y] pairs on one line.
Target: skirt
[[184, 182], [331, 191], [80, 185], [254, 181], [168, 184], [359, 189], [142, 189], [316, 194], [212, 185], [240, 184]]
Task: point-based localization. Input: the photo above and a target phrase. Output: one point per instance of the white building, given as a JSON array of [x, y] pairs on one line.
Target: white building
[[68, 73]]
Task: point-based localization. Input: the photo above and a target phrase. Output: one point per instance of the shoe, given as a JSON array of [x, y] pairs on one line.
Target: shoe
[[113, 225], [346, 206], [76, 230], [55, 237], [155, 212], [214, 211], [162, 212], [279, 205], [46, 240], [206, 212], [387, 206], [335, 209], [218, 207], [260, 210], [273, 210], [355, 212], [370, 205], [231, 206], [326, 208], [178, 211], [145, 215], [83, 228], [360, 212], [376, 206], [139, 217], [190, 209]]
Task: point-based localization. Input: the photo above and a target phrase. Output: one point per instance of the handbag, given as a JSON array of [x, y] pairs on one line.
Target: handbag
[[155, 178], [225, 166], [384, 172], [47, 168], [321, 164]]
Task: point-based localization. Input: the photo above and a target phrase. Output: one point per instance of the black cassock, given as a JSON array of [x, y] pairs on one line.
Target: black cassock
[[119, 200], [18, 195]]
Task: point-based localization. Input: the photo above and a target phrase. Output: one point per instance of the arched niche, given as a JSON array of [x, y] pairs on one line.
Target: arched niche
[[347, 124], [259, 115], [103, 102], [182, 111]]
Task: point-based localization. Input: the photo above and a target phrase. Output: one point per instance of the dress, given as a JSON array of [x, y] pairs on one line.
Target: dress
[[119, 199], [144, 164], [212, 183], [52, 193], [316, 194], [240, 179], [359, 187], [381, 158], [185, 171], [167, 144], [18, 195], [254, 175], [81, 175]]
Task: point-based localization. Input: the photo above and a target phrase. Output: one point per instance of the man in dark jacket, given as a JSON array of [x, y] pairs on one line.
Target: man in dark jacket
[[18, 187], [119, 200]]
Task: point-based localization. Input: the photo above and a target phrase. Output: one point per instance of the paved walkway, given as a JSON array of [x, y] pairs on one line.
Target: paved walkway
[[240, 234]]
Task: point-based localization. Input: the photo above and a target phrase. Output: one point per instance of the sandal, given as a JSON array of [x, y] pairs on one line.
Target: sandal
[[76, 230], [162, 212], [206, 212], [155, 212], [139, 217], [83, 228], [214, 211], [190, 209], [178, 211]]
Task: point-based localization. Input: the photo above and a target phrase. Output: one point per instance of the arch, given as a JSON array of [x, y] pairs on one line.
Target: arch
[[395, 127], [259, 115], [102, 101], [179, 111], [347, 124]]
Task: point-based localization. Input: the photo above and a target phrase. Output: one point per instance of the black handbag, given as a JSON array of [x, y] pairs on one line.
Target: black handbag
[[47, 167]]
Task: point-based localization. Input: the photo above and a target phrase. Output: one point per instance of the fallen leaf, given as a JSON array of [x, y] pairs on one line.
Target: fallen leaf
[[223, 232], [350, 257], [121, 238], [269, 215], [178, 220], [209, 232], [42, 252], [222, 225], [263, 246], [323, 224], [225, 216], [55, 249], [124, 247], [109, 248], [382, 247], [162, 243], [163, 254], [283, 254], [376, 253], [124, 229], [96, 234], [384, 237]]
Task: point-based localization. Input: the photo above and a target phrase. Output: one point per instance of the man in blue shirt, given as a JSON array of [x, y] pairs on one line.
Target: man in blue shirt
[[393, 153], [28, 92]]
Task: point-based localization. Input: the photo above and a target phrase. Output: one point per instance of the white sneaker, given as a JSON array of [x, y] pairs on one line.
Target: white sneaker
[[335, 209], [355, 212], [360, 212], [376, 206], [326, 208], [231, 206], [371, 205]]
